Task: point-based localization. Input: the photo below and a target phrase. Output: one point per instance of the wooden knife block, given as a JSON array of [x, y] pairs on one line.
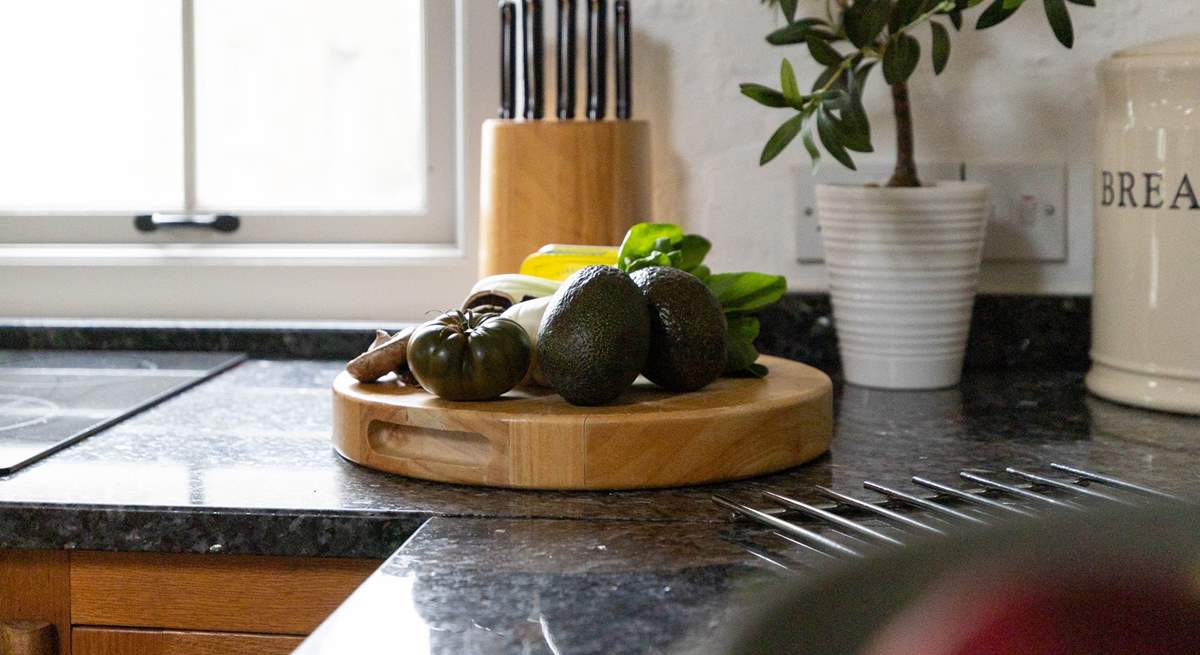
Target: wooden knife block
[[549, 181]]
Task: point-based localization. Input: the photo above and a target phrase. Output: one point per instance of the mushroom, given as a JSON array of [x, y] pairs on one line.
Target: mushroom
[[386, 354]]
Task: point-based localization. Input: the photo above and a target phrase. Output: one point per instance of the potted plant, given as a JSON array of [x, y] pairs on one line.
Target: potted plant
[[903, 258]]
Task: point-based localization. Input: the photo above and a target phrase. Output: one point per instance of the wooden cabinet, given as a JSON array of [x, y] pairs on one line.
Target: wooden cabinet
[[174, 604]]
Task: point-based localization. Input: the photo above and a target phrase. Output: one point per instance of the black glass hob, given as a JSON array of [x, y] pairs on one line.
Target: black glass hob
[[52, 399]]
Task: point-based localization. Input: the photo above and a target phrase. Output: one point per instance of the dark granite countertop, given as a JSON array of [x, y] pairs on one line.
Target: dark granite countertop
[[243, 464]]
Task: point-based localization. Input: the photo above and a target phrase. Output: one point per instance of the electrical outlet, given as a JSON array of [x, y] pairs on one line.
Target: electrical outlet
[[808, 230], [1028, 219]]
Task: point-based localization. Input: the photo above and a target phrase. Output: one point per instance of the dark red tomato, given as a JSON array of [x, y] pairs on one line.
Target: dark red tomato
[[469, 356]]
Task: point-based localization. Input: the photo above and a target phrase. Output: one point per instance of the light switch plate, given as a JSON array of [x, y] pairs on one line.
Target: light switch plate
[[1029, 211], [808, 231]]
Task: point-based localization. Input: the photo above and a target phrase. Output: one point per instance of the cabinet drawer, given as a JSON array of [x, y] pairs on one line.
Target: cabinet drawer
[[218, 593], [112, 641]]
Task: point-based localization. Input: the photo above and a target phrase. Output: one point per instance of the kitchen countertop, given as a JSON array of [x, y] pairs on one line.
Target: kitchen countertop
[[243, 464]]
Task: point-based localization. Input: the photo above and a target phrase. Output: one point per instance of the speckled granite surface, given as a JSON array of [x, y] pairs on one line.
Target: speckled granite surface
[[244, 462], [466, 586]]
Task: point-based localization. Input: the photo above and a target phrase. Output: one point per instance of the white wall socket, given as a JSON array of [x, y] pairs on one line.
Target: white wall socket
[[1029, 211], [808, 231]]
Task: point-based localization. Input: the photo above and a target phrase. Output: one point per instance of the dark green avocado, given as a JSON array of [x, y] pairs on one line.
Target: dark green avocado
[[593, 340], [687, 329]]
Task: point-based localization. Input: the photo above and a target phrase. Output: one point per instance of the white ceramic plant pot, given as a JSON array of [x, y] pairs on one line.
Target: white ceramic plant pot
[[903, 268]]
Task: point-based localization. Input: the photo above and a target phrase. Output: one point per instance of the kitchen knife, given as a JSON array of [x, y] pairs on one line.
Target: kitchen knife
[[565, 59], [508, 59], [623, 40], [597, 59], [533, 58]]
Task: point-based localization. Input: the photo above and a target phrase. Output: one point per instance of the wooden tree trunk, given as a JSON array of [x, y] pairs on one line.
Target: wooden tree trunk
[[906, 163]]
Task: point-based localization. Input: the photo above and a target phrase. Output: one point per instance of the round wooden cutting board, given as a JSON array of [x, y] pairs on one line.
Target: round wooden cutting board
[[733, 428]]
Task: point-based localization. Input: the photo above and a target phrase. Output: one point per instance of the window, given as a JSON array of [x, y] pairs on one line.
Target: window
[[312, 120], [342, 133]]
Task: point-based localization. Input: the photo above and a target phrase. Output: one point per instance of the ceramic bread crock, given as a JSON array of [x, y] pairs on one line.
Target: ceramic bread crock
[[1146, 310]]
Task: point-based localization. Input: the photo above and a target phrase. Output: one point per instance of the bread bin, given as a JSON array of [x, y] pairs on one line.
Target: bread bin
[[1146, 309]]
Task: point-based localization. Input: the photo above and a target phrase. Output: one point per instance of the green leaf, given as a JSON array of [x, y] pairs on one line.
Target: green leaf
[[1060, 22], [956, 19], [855, 127], [693, 248], [787, 81], [746, 292], [743, 328], [995, 14], [941, 47], [796, 32], [823, 53], [702, 272], [763, 95], [811, 145], [864, 20], [900, 59], [830, 134], [1085, 3], [757, 370], [639, 242], [1013, 4], [789, 9], [739, 356], [781, 138], [903, 13]]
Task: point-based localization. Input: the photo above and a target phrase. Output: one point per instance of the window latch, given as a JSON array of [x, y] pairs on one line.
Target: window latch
[[217, 222]]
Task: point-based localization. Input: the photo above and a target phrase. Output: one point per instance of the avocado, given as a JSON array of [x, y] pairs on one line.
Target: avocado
[[687, 329], [594, 337]]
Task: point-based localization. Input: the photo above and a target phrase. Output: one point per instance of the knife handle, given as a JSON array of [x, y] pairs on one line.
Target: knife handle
[[533, 59], [508, 59], [623, 42], [566, 59], [597, 74]]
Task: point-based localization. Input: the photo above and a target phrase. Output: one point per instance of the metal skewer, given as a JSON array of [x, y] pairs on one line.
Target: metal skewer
[[1015, 491], [808, 536], [923, 503], [1113, 482], [969, 497], [1065, 486], [830, 517], [851, 501]]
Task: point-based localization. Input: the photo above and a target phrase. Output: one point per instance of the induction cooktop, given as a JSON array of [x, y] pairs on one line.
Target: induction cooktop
[[52, 399]]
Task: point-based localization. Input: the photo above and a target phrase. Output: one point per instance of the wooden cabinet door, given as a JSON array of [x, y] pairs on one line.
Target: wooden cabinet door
[[210, 593], [110, 641], [34, 586]]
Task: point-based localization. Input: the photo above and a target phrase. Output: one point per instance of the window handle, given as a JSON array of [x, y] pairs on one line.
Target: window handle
[[218, 222]]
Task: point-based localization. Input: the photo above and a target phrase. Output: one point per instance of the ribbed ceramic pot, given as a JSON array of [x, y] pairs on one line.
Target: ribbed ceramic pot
[[903, 268]]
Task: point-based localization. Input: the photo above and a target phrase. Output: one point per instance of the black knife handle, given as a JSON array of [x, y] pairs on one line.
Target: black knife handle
[[623, 44], [534, 59], [597, 54], [508, 59], [566, 59]]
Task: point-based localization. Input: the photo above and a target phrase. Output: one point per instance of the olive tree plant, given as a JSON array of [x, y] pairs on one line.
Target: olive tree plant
[[849, 40]]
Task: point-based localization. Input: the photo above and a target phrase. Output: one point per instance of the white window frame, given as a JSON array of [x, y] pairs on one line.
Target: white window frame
[[381, 273]]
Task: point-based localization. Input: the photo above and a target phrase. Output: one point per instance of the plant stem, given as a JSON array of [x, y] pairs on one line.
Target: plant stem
[[906, 164]]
